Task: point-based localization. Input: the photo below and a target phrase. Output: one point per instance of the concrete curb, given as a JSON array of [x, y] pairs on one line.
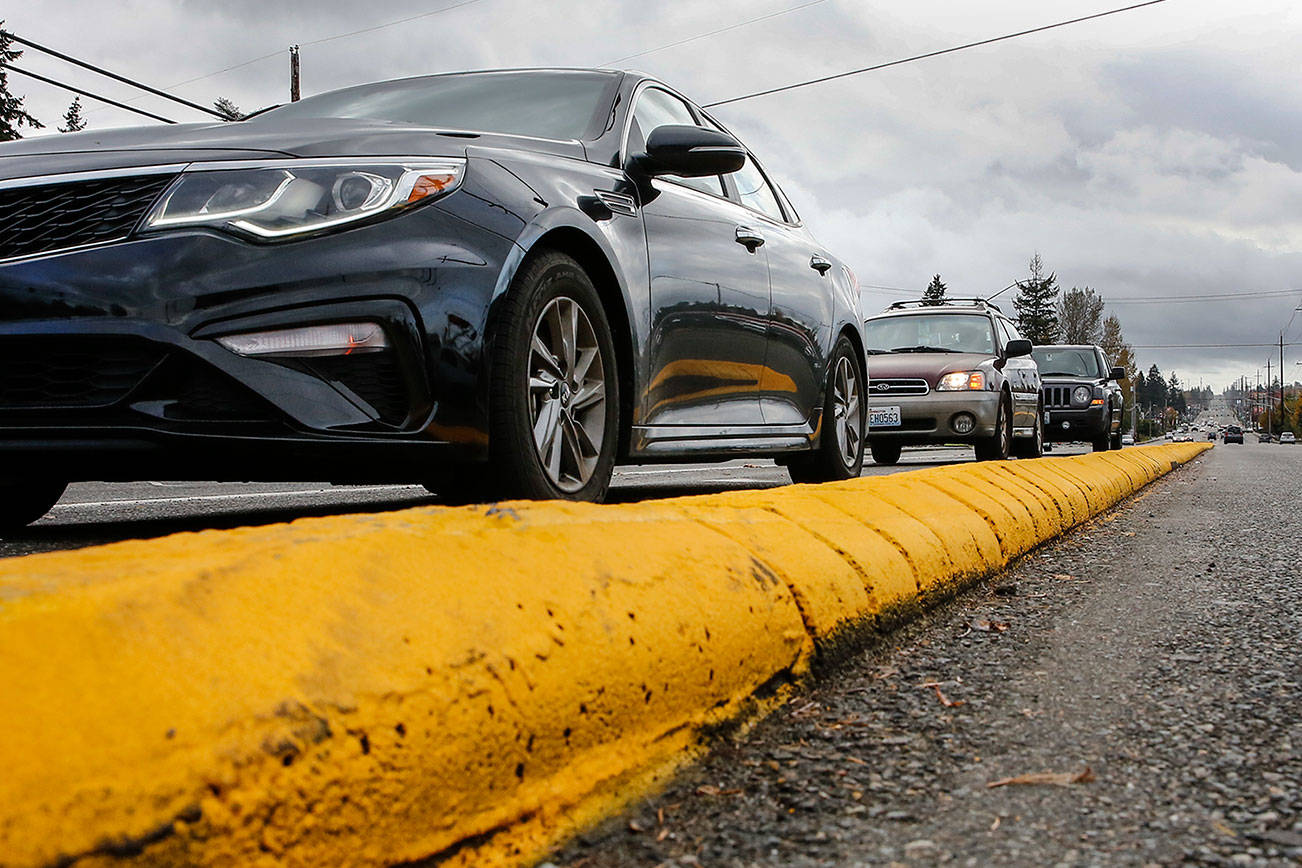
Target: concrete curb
[[467, 685]]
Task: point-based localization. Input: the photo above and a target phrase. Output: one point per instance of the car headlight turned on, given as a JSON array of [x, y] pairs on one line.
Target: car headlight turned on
[[962, 381], [342, 339], [283, 199], [1081, 395]]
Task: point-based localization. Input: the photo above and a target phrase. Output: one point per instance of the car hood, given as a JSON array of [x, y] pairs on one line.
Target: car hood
[[928, 366], [1080, 380], [254, 139]]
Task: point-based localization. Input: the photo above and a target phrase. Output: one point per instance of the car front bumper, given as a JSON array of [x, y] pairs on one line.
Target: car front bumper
[[930, 418], [1065, 425], [109, 367]]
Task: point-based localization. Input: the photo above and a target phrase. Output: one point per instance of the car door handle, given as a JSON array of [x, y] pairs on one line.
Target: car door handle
[[819, 263], [749, 238]]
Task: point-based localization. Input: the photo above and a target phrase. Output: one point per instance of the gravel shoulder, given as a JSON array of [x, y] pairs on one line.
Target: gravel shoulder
[[1151, 660]]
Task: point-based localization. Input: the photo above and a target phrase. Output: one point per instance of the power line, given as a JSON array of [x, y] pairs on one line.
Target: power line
[[930, 54], [88, 94], [1208, 346], [1211, 299], [112, 75], [715, 32]]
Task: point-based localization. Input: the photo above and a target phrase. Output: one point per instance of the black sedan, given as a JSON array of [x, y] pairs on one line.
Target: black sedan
[[499, 284]]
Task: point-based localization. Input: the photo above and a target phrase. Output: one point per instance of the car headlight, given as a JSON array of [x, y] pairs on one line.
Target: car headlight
[[960, 381], [287, 198], [1081, 395]]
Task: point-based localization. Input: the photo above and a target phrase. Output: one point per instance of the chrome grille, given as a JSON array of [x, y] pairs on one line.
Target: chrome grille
[[60, 215], [894, 388]]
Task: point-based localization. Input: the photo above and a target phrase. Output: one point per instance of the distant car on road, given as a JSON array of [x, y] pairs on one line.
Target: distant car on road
[[1211, 435], [957, 372], [1127, 439], [1182, 437], [1081, 395], [1287, 437], [1233, 434], [1263, 437]]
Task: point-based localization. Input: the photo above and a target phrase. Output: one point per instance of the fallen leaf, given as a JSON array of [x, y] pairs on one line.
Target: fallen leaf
[[662, 834], [1064, 577], [856, 760], [634, 827], [944, 700], [990, 626], [1057, 779], [995, 824]]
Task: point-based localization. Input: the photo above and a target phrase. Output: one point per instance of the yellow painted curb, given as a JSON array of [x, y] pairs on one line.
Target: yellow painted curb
[[468, 684]]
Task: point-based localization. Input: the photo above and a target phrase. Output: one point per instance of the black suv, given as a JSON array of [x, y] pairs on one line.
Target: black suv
[[1233, 434], [1082, 396]]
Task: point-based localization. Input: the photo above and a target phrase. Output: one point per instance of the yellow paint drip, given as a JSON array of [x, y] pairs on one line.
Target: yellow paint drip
[[470, 684]]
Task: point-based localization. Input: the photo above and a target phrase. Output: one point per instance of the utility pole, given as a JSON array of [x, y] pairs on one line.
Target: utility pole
[[1281, 381], [1270, 397], [293, 74]]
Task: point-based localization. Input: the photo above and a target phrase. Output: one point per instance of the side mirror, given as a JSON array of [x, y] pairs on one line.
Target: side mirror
[[1117, 373], [690, 152], [1020, 347]]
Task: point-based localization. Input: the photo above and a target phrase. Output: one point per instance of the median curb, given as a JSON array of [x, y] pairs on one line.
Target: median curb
[[468, 685]]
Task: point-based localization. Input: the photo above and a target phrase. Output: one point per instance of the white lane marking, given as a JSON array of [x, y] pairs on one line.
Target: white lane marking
[[689, 470], [246, 495]]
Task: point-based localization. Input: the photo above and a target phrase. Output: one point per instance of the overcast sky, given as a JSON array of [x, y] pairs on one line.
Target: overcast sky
[[1153, 153]]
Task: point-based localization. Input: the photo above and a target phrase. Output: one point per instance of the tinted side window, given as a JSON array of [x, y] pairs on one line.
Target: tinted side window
[[753, 190], [656, 108]]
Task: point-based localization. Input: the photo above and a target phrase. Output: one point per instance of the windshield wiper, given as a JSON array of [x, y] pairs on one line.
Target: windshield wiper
[[922, 349]]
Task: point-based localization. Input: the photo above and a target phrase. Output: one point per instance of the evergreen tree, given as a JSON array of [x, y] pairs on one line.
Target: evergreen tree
[[1175, 395], [229, 110], [935, 291], [1156, 396], [1080, 316], [73, 122], [1036, 305], [12, 116]]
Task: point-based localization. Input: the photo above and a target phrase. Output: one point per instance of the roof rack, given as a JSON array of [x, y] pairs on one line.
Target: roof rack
[[932, 302]]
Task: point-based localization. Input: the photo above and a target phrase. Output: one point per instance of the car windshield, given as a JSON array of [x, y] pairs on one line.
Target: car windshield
[[1058, 362], [560, 104], [930, 333]]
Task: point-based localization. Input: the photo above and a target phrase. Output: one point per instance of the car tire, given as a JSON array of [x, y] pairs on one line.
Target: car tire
[[885, 452], [839, 453], [1102, 442], [554, 393], [1033, 446], [1116, 440], [997, 446], [22, 503]]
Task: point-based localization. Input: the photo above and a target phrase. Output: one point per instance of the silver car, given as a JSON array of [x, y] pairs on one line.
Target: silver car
[[955, 372]]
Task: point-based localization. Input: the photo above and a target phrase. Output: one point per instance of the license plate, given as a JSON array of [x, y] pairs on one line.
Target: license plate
[[884, 417]]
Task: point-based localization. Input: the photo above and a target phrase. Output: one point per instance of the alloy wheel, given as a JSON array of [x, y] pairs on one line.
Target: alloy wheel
[[845, 397], [567, 394]]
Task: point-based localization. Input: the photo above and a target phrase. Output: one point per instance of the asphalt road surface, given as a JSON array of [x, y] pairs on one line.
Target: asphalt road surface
[[1150, 662], [98, 512]]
